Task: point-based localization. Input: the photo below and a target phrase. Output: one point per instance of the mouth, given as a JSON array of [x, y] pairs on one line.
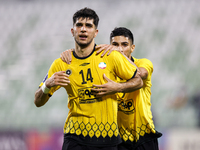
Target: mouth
[[83, 37]]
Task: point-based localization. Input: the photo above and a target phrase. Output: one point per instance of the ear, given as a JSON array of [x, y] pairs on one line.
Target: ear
[[132, 48], [96, 32], [72, 31]]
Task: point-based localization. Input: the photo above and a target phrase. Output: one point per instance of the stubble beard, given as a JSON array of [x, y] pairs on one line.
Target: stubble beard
[[83, 45]]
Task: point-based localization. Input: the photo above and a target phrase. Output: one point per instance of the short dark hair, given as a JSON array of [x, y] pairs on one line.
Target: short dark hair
[[122, 31], [86, 13]]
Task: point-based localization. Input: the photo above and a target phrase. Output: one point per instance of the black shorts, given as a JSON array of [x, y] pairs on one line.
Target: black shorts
[[150, 145], [73, 145]]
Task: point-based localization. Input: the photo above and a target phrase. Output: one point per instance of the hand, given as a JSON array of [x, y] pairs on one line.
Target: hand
[[107, 48], [66, 56], [58, 79], [108, 88]]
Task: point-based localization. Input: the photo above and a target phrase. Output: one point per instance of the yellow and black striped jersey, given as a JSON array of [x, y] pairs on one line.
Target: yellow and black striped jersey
[[92, 120], [134, 113]]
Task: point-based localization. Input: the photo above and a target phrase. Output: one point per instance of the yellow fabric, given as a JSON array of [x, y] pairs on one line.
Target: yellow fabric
[[134, 115], [90, 116]]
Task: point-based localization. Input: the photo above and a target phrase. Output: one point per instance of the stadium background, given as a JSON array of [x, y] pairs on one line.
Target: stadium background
[[34, 32]]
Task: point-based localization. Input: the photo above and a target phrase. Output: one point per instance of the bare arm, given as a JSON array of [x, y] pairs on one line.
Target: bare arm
[[40, 98], [57, 79], [131, 85], [143, 73], [112, 87]]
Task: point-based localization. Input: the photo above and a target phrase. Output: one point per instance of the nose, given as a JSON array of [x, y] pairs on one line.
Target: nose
[[121, 48], [83, 28]]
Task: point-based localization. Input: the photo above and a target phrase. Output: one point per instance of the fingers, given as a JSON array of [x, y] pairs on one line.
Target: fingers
[[109, 81], [99, 92], [62, 56], [105, 77], [109, 52], [106, 49], [97, 86], [98, 46], [61, 79], [58, 79], [112, 48], [66, 56], [101, 47], [69, 59]]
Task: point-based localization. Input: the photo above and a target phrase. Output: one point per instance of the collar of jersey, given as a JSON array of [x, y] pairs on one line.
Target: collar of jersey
[[132, 59], [86, 56]]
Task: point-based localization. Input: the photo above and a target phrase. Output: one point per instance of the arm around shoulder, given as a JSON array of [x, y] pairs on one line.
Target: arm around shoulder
[[131, 85], [143, 73], [145, 67]]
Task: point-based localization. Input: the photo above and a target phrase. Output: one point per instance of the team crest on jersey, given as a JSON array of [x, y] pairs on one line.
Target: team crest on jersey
[[69, 72], [102, 65]]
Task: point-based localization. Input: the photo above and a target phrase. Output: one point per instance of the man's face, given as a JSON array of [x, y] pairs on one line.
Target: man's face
[[84, 31], [124, 44]]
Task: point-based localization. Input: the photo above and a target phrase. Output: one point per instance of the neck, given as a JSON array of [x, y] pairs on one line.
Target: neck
[[84, 51]]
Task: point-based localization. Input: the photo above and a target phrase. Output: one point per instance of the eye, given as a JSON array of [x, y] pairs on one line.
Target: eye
[[79, 24], [114, 44], [125, 44], [89, 25]]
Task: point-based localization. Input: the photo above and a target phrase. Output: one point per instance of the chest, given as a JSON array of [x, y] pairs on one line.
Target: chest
[[89, 72]]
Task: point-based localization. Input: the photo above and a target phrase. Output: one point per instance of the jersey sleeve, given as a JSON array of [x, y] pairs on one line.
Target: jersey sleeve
[[122, 67], [147, 64], [54, 68]]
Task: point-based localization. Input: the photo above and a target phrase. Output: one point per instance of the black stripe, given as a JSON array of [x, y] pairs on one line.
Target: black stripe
[[86, 56], [134, 74]]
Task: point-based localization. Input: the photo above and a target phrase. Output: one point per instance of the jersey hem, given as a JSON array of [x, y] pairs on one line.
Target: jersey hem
[[85, 142]]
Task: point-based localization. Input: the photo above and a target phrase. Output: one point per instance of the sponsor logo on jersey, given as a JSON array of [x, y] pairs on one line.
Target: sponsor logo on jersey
[[126, 107], [69, 72], [84, 64], [86, 96], [102, 65]]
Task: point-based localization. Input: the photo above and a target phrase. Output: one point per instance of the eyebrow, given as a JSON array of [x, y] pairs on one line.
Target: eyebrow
[[121, 42], [80, 23], [89, 24], [115, 42], [125, 42]]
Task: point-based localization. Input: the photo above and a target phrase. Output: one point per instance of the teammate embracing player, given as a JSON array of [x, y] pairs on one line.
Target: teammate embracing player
[[135, 122], [92, 121]]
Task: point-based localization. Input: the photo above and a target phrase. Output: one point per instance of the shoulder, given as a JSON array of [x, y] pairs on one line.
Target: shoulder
[[58, 61], [58, 64], [143, 61], [116, 55]]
